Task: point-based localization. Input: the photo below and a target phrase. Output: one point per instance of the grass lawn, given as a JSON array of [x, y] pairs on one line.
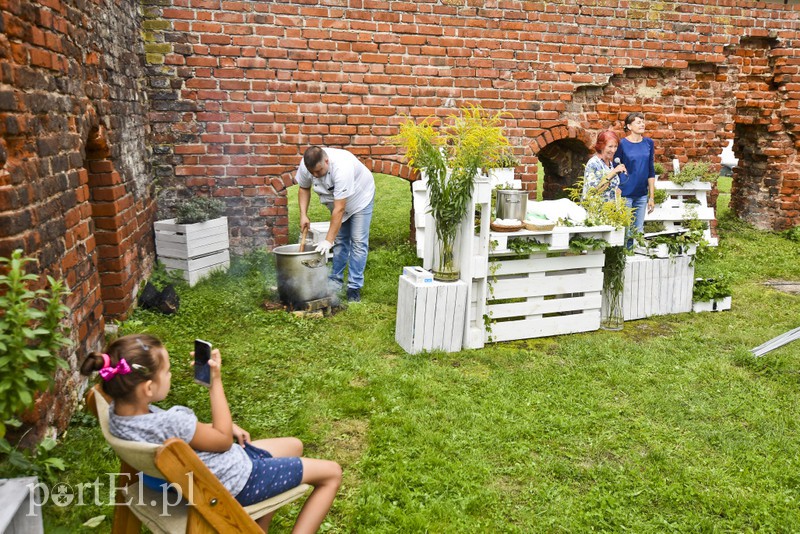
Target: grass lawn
[[668, 425]]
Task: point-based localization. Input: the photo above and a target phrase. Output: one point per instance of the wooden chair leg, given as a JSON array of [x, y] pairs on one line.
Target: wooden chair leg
[[125, 521]]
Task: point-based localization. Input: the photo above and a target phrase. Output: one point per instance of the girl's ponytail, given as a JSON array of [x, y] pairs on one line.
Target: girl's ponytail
[[126, 363]]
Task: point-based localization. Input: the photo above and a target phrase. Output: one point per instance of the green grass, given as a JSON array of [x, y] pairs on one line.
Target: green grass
[[668, 425]]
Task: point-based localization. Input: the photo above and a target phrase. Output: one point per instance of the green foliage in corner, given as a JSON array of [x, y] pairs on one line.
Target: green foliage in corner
[[199, 209]]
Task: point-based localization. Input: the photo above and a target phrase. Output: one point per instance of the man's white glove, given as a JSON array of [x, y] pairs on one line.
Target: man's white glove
[[324, 246]]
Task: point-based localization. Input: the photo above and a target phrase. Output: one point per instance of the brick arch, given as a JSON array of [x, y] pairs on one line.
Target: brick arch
[[562, 152]]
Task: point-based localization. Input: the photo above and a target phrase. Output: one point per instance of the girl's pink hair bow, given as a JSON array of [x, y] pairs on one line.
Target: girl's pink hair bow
[[108, 372]]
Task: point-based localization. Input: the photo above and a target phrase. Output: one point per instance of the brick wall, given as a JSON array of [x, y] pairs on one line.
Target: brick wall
[[75, 187], [239, 89], [232, 92]]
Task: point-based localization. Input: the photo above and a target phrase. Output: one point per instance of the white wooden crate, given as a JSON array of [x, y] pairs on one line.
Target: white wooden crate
[[193, 269], [430, 315], [554, 294], [655, 286], [713, 305], [183, 241]]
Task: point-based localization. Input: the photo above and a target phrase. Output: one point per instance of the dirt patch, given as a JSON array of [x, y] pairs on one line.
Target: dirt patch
[[350, 441], [787, 286], [642, 331]]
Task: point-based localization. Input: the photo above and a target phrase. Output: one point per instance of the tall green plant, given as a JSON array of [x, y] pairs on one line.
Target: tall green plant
[[450, 155], [31, 336]]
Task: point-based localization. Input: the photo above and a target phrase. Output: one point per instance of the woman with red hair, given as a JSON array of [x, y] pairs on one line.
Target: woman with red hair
[[600, 172]]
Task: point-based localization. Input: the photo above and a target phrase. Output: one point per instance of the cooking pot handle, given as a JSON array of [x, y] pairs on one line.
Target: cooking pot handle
[[316, 262]]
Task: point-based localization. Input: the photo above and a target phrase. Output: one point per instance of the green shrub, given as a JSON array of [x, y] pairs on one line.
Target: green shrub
[[31, 337], [706, 289], [695, 171], [652, 227], [660, 196], [659, 168], [199, 209]]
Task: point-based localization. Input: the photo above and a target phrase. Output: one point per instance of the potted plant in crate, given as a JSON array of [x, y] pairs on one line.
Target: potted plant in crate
[[450, 156], [711, 294], [195, 242], [501, 174]]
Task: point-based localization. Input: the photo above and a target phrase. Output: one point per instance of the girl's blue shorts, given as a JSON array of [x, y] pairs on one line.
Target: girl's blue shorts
[[270, 476]]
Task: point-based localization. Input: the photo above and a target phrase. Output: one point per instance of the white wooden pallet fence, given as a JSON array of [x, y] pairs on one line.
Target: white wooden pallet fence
[[655, 286]]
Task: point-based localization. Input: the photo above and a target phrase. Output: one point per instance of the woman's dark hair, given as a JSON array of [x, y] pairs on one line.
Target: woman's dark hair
[[603, 138], [313, 155], [632, 117], [144, 356]]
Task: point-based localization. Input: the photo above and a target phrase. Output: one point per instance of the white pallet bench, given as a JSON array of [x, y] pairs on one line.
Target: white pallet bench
[[656, 286]]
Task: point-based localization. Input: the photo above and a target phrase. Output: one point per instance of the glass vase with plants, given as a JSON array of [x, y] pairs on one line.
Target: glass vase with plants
[[450, 155], [600, 211]]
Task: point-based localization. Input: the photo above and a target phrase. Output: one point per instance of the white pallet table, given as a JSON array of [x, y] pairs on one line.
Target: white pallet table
[[553, 293], [672, 211], [713, 305], [655, 286], [20, 513], [422, 219], [558, 238], [474, 254], [430, 315]]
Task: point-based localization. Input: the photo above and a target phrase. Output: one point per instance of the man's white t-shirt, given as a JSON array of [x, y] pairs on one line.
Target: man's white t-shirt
[[347, 178]]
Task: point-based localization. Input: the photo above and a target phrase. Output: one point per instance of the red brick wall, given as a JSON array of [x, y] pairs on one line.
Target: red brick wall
[[75, 184], [244, 87], [232, 92]]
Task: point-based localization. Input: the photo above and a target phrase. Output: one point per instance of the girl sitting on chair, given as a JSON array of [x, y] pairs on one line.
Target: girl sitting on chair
[[136, 373]]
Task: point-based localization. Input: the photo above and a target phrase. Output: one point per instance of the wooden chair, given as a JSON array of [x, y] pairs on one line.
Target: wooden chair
[[212, 507]]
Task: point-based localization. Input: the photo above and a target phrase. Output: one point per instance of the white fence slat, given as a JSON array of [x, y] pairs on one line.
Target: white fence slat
[[548, 326]]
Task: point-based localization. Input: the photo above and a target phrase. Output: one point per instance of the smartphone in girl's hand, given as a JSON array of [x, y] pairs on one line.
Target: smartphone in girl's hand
[[202, 354]]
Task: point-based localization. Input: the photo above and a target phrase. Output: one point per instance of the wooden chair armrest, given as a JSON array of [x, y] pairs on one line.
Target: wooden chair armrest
[[182, 467]]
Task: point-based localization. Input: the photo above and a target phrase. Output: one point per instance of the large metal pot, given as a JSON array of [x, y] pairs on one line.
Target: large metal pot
[[511, 204], [302, 276]]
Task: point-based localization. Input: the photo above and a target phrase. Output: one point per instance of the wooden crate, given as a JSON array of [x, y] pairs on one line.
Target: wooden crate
[[553, 293], [195, 249], [655, 286], [714, 305], [430, 315]]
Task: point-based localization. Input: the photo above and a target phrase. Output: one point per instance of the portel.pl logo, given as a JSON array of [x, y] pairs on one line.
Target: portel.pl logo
[[98, 492]]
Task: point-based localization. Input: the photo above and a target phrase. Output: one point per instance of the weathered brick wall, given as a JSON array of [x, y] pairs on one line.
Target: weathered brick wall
[[239, 89], [75, 187]]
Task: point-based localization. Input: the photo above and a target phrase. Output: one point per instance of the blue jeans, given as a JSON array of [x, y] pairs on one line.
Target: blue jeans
[[350, 249], [639, 205]]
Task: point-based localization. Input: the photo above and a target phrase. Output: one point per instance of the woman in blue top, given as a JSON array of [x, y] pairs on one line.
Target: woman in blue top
[[638, 184]]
